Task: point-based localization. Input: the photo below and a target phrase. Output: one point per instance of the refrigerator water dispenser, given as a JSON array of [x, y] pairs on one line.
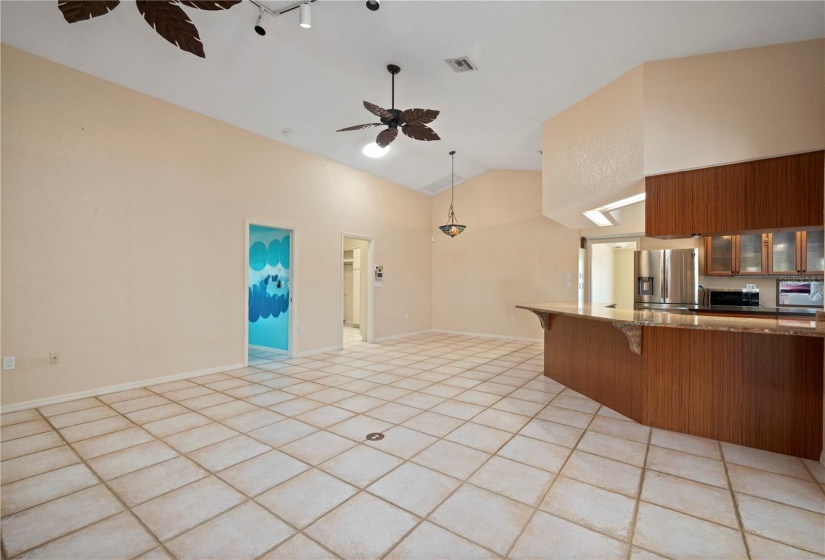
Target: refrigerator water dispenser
[[644, 286]]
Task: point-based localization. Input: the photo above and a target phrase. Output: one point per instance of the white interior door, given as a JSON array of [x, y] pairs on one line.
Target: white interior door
[[356, 286], [348, 293]]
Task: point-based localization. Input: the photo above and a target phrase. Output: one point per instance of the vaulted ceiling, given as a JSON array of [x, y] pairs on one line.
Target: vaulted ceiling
[[534, 58]]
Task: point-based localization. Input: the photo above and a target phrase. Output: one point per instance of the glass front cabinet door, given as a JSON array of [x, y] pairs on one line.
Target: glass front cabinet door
[[751, 254], [783, 252], [813, 253], [719, 255]]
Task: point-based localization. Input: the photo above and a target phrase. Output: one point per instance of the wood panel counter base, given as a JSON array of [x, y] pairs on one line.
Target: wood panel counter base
[[758, 390]]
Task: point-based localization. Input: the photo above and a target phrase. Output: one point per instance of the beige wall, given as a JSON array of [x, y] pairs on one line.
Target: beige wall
[[734, 106], [123, 225], [593, 151], [509, 254], [680, 114]]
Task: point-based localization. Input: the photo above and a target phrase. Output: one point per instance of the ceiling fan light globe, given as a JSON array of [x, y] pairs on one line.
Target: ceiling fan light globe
[[373, 150]]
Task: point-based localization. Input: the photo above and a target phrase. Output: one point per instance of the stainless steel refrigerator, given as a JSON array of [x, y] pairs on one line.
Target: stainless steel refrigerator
[[666, 279]]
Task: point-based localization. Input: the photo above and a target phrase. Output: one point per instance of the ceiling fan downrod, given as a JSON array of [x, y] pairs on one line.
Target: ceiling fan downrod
[[393, 69]]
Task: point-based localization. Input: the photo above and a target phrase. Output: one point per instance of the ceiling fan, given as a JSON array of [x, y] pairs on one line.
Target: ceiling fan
[[412, 122], [166, 17]]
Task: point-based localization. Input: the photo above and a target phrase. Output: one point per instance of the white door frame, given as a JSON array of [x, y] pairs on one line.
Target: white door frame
[[588, 261], [370, 284], [293, 246]]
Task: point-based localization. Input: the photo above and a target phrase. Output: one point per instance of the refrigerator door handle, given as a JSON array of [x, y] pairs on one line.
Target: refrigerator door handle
[[664, 277]]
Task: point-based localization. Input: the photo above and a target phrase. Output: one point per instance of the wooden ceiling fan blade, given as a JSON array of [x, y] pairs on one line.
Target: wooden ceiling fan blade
[[385, 137], [210, 5], [79, 11], [418, 116], [172, 23], [360, 126], [378, 111], [420, 132]]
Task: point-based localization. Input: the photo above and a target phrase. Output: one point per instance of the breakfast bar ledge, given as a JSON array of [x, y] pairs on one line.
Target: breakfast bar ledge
[[747, 381]]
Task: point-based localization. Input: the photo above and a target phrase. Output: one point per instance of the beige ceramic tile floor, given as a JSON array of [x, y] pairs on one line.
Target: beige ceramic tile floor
[[352, 336], [483, 457]]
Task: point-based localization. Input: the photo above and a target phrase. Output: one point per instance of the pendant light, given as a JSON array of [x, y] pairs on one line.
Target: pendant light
[[452, 228]]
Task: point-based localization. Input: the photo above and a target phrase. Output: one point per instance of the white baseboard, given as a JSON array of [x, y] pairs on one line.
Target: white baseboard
[[402, 335], [114, 388], [487, 335]]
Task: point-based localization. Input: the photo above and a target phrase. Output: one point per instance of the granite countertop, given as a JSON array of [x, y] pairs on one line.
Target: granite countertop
[[754, 310], [650, 318]]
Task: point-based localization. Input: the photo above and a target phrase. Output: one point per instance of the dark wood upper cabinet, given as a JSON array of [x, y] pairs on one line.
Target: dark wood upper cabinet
[[754, 196]]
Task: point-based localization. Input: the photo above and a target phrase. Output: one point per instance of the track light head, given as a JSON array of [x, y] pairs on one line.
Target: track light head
[[258, 28], [305, 15], [373, 5]]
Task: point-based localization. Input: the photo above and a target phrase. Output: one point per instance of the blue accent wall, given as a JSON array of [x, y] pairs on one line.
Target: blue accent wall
[[269, 287]]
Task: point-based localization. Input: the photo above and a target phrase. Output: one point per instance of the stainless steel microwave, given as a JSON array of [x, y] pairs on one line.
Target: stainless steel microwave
[[732, 297]]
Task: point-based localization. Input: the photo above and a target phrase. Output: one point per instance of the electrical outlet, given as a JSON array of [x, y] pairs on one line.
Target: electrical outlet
[[302, 329], [406, 316], [512, 318], [569, 285], [8, 362], [54, 358]]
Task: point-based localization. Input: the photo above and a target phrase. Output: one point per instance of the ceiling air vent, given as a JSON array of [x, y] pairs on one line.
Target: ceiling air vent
[[461, 64], [441, 184]]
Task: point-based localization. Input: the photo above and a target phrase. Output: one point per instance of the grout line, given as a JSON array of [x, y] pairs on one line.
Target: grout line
[[635, 516], [403, 462], [364, 413], [550, 487], [813, 476], [734, 501], [107, 487]]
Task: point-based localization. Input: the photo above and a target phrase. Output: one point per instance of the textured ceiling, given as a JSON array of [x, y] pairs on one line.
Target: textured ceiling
[[535, 59]]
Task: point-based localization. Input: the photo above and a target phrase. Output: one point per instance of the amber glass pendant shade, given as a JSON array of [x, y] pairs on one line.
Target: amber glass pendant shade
[[452, 227]]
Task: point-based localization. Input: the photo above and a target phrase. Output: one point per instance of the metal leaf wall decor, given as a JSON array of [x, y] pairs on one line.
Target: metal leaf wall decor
[[164, 16]]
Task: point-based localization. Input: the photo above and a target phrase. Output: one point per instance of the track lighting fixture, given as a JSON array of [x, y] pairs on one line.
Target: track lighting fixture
[[373, 5], [304, 13], [258, 27], [305, 16]]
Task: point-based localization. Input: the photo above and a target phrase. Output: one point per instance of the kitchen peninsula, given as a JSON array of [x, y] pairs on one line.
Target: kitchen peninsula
[[748, 381]]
